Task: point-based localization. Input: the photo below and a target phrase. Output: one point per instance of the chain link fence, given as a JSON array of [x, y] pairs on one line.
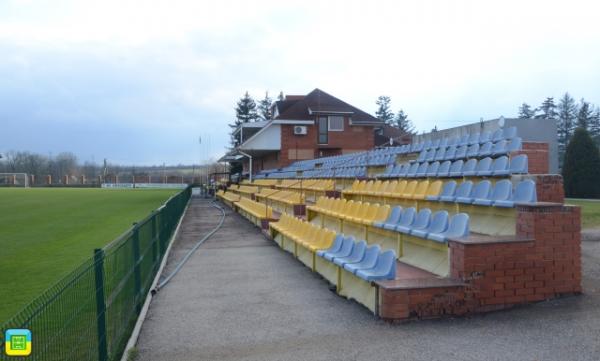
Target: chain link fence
[[90, 314]]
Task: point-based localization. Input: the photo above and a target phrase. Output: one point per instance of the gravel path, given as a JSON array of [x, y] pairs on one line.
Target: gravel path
[[242, 298]]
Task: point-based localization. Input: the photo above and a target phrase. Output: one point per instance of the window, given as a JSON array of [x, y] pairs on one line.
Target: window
[[336, 123], [323, 136]]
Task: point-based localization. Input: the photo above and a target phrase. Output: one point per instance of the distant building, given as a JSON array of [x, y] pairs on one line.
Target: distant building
[[304, 127]]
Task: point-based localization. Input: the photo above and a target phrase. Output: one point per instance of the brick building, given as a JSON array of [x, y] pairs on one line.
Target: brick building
[[304, 127]]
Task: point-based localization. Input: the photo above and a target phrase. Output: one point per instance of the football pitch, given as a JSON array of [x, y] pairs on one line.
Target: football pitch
[[46, 232]]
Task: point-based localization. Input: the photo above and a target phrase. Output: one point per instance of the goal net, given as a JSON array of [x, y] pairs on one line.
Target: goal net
[[14, 180]]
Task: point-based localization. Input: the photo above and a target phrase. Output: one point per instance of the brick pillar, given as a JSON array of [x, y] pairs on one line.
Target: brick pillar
[[557, 234], [537, 155], [549, 187]]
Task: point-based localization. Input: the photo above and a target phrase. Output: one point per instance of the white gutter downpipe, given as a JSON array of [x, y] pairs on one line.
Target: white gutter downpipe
[[250, 157]]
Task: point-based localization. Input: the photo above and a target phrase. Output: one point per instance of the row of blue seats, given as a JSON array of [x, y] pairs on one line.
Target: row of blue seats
[[367, 262], [467, 139], [436, 226], [471, 151], [484, 193], [346, 172], [486, 167]]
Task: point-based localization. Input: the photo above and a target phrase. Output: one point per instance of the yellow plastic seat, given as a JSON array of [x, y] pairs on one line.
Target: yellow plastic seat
[[421, 190], [410, 189]]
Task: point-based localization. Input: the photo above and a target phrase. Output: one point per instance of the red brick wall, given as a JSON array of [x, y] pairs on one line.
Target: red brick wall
[[546, 263], [354, 138], [537, 154], [422, 302], [549, 187]]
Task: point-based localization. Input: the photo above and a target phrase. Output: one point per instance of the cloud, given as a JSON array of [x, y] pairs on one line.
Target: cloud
[[140, 81]]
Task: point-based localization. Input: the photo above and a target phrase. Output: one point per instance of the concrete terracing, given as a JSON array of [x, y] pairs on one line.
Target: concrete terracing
[[242, 298]]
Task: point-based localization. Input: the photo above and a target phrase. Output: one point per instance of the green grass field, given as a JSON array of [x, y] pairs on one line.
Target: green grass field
[[45, 233], [590, 212]]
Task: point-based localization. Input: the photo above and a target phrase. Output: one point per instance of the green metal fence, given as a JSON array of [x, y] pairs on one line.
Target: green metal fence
[[90, 314]]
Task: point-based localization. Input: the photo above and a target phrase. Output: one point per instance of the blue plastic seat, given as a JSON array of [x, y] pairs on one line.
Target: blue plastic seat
[[469, 167], [501, 192], [412, 170], [417, 147], [421, 171], [464, 140], [453, 141], [443, 143], [335, 247], [463, 190], [402, 170], [500, 166], [514, 145], [447, 191], [457, 229], [485, 150], [524, 193], [474, 138], [439, 154], [519, 164], [432, 169], [499, 147], [510, 132], [485, 137], [357, 254], [461, 152], [430, 155], [484, 167], [385, 268], [406, 220], [435, 144], [392, 218], [473, 150], [456, 168], [422, 156], [481, 190], [344, 250], [421, 222], [368, 261], [438, 224], [498, 135], [444, 169], [450, 153]]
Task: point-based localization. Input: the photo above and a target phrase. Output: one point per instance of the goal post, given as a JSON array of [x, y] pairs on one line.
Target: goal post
[[14, 180]]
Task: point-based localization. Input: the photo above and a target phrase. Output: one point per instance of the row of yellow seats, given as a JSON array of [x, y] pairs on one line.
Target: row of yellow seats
[[256, 209], [291, 197], [264, 182], [230, 196], [396, 189], [357, 212], [306, 234], [316, 184], [247, 189]]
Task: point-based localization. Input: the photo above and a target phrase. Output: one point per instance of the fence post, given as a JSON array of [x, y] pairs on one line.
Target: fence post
[[155, 241], [137, 277], [100, 305]]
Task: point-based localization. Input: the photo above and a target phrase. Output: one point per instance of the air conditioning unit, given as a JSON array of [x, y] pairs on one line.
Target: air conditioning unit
[[300, 130]]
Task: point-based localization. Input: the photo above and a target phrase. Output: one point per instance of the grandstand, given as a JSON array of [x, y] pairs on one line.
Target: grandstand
[[447, 225]]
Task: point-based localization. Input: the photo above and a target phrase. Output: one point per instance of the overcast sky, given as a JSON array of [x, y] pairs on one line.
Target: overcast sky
[[139, 82]]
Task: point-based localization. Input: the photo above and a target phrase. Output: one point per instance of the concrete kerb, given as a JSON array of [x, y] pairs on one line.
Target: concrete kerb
[[140, 321]]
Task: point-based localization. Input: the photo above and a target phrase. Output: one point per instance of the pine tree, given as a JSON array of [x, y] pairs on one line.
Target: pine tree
[[525, 111], [280, 97], [245, 112], [403, 123], [383, 112], [595, 127], [585, 115], [548, 109], [581, 170], [567, 114], [264, 108], [246, 109]]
